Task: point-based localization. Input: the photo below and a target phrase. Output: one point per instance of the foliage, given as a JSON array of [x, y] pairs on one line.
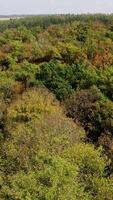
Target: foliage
[[56, 108], [92, 110]]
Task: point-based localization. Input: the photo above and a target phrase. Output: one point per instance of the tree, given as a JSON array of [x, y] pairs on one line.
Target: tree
[[92, 110]]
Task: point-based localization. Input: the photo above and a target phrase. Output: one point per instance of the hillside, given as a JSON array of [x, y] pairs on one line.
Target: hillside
[[56, 108]]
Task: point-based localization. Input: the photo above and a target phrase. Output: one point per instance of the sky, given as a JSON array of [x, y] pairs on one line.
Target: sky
[[55, 6]]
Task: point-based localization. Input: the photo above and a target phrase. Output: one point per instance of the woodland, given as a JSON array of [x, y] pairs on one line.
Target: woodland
[[56, 108]]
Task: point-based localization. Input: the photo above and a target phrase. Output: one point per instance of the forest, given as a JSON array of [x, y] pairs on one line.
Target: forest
[[56, 108]]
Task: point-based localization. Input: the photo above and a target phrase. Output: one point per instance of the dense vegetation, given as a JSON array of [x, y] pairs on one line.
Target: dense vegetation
[[56, 108]]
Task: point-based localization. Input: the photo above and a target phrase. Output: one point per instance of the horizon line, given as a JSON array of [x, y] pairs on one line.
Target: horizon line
[[37, 14]]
